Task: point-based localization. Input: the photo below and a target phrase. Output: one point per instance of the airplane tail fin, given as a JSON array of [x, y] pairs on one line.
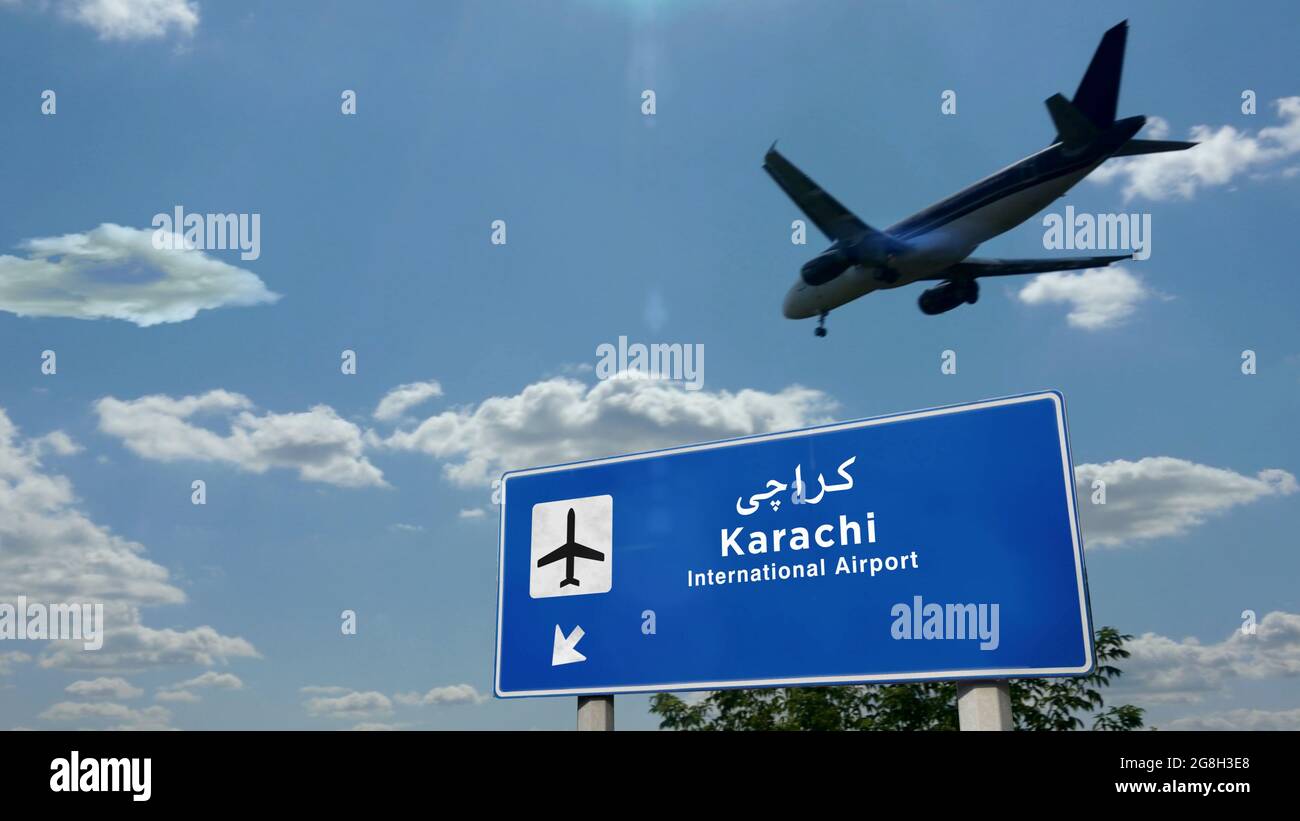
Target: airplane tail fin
[[1098, 92], [568, 582], [1092, 111]]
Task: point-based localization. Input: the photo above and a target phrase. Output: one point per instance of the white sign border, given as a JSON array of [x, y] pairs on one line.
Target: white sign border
[[1067, 467]]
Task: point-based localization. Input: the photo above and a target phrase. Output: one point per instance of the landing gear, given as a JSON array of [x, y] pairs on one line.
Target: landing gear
[[821, 324]]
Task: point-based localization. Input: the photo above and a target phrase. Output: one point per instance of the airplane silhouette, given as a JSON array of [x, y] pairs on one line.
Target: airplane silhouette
[[569, 551], [934, 245]]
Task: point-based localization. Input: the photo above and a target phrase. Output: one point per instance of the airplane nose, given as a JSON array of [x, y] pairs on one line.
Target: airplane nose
[[787, 305], [796, 301]]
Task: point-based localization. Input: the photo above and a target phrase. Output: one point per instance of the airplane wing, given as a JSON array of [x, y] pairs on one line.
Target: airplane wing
[[973, 267], [584, 552], [826, 212], [553, 556]]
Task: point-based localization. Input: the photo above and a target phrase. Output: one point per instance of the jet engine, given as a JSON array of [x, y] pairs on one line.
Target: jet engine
[[826, 266], [949, 295]]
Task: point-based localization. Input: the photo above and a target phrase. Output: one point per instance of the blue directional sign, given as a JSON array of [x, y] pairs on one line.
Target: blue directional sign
[[938, 544]]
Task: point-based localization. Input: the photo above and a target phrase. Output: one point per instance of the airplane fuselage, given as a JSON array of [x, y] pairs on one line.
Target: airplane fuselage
[[568, 572], [947, 232]]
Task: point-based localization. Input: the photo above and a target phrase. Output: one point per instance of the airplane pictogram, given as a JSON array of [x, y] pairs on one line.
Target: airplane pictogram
[[569, 551]]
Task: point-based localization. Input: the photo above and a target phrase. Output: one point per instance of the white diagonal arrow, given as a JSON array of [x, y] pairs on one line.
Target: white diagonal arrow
[[563, 652]]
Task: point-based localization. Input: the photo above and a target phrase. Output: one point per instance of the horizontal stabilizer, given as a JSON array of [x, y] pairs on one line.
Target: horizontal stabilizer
[[1072, 127], [1134, 147], [973, 267]]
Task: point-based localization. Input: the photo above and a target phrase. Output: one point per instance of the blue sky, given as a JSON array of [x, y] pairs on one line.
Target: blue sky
[[375, 234]]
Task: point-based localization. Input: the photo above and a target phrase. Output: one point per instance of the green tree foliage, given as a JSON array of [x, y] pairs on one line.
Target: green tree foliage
[[1036, 704]]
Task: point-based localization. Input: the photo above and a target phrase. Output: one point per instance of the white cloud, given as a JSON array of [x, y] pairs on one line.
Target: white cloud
[[133, 19], [451, 694], [1162, 669], [1098, 297], [182, 691], [132, 646], [220, 681], [318, 690], [1157, 128], [562, 419], [350, 705], [1243, 719], [114, 272], [51, 552], [11, 659], [404, 397], [1224, 153], [321, 445], [148, 718], [376, 726], [554, 420], [1160, 496], [56, 442], [472, 513], [402, 527], [104, 688]]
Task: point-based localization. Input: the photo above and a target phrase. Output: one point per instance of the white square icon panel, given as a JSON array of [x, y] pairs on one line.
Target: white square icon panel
[[572, 547]]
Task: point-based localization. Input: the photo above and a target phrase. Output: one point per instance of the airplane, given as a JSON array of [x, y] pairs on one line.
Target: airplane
[[935, 244], [569, 551]]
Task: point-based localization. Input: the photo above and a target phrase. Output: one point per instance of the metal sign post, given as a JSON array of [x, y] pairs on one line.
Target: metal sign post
[[595, 713], [984, 705]]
